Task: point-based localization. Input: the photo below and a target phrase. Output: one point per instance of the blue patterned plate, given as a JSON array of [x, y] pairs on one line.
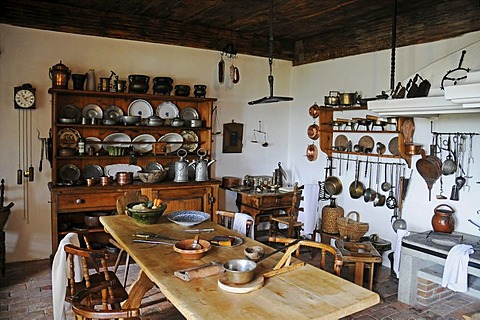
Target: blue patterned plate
[[188, 217]]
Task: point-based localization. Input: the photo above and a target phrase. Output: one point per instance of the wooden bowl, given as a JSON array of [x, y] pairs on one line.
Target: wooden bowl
[[191, 254]]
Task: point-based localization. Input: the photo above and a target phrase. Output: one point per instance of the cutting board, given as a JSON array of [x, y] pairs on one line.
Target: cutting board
[[226, 285]]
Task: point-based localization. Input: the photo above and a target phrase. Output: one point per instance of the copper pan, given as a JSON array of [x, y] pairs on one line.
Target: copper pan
[[314, 110], [313, 131], [312, 152]]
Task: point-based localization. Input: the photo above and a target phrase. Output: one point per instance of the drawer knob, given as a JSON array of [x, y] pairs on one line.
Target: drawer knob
[[79, 201], [278, 200]]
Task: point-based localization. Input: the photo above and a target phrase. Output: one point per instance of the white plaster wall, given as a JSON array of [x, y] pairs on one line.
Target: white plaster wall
[[27, 55], [369, 74]]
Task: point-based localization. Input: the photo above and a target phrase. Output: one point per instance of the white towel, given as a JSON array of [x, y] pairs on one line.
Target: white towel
[[398, 248], [60, 274], [455, 273], [240, 224], [309, 216]]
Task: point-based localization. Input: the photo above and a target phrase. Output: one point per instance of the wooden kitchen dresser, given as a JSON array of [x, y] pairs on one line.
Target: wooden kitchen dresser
[[70, 202]]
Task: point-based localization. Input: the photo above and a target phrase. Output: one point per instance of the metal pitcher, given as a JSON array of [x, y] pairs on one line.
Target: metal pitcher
[[201, 166], [181, 167]]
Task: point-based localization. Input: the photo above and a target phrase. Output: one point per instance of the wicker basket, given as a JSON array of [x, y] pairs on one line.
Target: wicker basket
[[330, 214], [350, 229]]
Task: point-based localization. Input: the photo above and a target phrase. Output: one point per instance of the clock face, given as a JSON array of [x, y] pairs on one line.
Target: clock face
[[25, 98]]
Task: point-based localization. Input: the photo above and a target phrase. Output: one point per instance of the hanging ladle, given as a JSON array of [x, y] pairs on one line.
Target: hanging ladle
[[449, 166], [386, 186], [265, 143]]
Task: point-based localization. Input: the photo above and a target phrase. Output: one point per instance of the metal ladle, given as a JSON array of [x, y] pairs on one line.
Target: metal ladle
[[386, 186], [195, 245]]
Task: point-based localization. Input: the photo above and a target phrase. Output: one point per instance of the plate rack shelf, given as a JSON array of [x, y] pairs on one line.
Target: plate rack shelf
[[70, 203]]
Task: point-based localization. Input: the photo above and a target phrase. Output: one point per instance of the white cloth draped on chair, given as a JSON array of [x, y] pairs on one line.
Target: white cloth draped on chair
[[60, 275], [240, 224]]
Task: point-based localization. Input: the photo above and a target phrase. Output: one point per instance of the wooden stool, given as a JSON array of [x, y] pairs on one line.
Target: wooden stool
[[360, 253]]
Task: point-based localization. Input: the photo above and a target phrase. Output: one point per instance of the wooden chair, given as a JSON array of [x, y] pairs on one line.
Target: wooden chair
[[225, 218], [93, 259], [325, 249], [122, 202], [290, 218], [83, 308]]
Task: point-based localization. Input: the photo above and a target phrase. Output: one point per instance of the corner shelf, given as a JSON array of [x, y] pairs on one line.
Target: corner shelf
[[326, 133]]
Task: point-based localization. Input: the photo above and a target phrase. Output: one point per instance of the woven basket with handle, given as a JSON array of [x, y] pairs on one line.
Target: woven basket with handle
[[351, 229]]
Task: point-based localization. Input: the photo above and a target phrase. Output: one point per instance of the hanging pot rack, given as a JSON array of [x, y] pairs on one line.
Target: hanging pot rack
[[271, 98]]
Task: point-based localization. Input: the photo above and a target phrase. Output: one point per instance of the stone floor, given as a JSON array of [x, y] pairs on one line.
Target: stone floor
[[26, 293]]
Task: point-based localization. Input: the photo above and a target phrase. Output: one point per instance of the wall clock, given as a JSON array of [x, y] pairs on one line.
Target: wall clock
[[24, 97]]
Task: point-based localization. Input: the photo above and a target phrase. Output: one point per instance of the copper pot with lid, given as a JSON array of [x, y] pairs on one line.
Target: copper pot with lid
[[331, 99], [59, 74]]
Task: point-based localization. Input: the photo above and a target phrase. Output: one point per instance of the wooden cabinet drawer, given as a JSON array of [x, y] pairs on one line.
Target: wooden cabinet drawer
[[266, 202], [87, 201]]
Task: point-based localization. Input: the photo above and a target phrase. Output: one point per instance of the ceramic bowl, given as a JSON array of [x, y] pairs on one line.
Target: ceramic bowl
[[152, 176], [147, 215], [191, 254], [254, 253]]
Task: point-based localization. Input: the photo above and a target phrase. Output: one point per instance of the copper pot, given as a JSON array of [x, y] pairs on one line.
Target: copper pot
[[313, 131], [332, 100], [312, 152], [124, 178], [443, 219], [413, 148], [348, 99], [314, 110]]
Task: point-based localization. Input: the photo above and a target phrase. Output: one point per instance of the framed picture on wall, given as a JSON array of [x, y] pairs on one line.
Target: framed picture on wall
[[232, 137]]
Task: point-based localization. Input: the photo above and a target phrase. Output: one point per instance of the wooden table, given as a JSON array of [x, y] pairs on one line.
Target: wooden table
[[360, 253], [306, 292]]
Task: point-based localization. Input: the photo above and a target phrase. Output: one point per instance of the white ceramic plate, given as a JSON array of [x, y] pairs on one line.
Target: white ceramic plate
[[92, 111], [141, 108], [112, 169], [93, 142], [188, 217], [167, 110], [68, 138], [122, 140], [113, 112], [189, 113], [191, 140], [143, 147], [175, 141]]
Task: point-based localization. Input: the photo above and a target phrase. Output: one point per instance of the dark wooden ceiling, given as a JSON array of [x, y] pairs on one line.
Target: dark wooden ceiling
[[305, 31]]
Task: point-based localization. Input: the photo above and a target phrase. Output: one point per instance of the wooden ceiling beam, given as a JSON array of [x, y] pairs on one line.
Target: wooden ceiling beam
[[55, 17]]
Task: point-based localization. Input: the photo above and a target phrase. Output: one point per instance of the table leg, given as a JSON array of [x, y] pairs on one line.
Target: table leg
[[359, 266], [137, 290], [370, 281]]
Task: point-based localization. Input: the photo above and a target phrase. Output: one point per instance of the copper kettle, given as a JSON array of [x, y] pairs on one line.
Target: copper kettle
[[59, 74]]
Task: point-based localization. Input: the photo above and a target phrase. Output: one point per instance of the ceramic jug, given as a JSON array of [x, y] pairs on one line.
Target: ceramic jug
[[91, 80], [443, 219]]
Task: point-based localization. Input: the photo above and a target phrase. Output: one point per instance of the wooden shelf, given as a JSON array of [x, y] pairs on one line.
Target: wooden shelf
[[327, 132]]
